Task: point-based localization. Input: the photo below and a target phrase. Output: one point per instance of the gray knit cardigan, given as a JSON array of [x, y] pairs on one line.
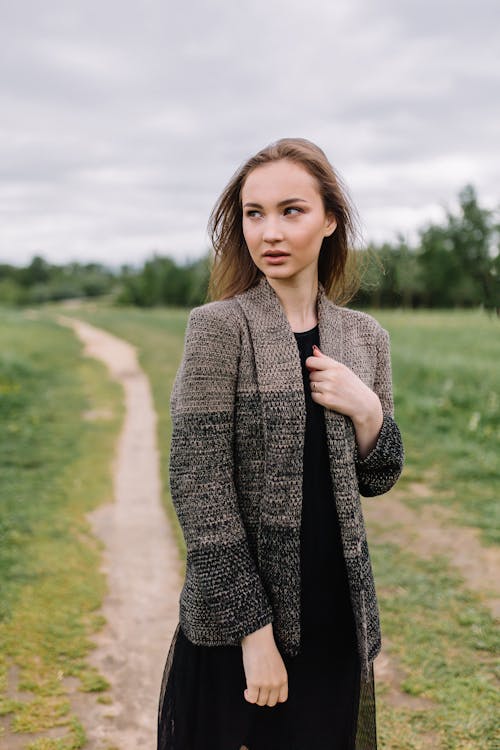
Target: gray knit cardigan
[[236, 466]]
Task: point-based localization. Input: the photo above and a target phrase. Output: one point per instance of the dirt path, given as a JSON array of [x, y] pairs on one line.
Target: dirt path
[[141, 563], [432, 530]]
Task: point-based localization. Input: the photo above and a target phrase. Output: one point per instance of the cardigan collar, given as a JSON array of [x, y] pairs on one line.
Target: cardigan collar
[[276, 352]]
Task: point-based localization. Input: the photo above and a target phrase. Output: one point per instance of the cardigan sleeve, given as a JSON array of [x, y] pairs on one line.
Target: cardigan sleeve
[[381, 468], [201, 474]]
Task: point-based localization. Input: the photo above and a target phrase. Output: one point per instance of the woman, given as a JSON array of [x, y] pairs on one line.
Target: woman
[[282, 415]]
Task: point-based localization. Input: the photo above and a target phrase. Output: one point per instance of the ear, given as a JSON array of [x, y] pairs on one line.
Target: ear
[[331, 225]]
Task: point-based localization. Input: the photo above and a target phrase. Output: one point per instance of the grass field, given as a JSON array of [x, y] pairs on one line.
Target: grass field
[[447, 396], [446, 389]]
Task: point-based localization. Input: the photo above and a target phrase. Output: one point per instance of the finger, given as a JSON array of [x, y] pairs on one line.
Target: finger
[[317, 384], [251, 694], [319, 363], [263, 697], [319, 398], [273, 697], [283, 694]]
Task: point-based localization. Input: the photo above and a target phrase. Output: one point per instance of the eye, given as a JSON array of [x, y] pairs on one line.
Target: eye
[[250, 212]]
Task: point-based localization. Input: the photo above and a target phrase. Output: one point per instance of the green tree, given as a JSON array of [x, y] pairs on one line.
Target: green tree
[[456, 259]]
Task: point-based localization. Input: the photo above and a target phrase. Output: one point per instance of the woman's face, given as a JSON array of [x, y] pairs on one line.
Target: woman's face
[[293, 230]]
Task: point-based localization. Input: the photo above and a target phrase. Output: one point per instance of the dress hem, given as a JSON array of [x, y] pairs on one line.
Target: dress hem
[[366, 728]]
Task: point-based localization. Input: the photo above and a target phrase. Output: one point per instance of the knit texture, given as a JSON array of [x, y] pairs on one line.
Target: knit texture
[[236, 458]]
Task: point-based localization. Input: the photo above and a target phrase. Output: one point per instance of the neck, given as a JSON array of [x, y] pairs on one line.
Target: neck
[[299, 301]]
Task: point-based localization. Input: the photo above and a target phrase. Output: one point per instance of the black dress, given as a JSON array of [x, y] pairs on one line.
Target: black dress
[[202, 706]]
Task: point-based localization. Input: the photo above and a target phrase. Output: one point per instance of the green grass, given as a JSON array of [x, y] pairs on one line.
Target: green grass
[[445, 388], [54, 467], [447, 396], [446, 640]]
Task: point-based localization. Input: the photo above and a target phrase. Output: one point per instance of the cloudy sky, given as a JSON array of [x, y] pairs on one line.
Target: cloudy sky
[[121, 122]]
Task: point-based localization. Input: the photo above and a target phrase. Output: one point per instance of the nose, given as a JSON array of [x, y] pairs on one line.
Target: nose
[[272, 231]]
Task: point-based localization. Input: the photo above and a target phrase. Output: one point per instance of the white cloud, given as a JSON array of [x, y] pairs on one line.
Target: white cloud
[[122, 121]]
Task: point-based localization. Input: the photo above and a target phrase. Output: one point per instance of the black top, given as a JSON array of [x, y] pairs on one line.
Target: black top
[[324, 575]]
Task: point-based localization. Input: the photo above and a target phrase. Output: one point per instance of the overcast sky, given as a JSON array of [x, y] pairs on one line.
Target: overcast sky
[[121, 122]]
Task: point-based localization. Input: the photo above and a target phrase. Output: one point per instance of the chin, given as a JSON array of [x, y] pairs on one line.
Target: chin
[[285, 275], [278, 271]]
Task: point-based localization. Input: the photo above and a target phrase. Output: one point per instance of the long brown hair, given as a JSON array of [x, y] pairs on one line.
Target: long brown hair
[[233, 270]]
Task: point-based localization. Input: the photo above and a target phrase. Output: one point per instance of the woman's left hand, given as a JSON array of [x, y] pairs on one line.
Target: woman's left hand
[[336, 386]]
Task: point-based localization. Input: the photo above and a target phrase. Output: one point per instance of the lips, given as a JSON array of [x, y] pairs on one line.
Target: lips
[[275, 259], [275, 254]]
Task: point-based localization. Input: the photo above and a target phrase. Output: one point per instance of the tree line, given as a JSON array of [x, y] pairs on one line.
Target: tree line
[[455, 263]]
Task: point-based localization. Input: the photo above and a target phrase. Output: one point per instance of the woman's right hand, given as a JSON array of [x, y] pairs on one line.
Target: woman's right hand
[[265, 671]]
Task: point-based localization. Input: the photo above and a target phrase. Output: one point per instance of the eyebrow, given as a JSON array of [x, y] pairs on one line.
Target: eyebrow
[[281, 203]]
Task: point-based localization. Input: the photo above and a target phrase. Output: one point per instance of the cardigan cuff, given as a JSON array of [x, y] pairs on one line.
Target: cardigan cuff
[[382, 449], [381, 468], [231, 587]]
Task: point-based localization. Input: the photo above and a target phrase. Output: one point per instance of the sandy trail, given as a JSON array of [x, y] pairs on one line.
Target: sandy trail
[[141, 563]]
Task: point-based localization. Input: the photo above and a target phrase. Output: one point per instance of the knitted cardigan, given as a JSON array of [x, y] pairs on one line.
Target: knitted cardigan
[[236, 465]]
